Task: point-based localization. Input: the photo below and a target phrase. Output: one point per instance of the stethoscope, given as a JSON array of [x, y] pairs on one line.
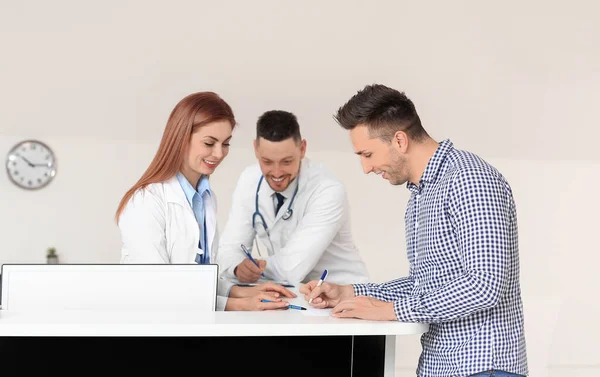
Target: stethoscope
[[288, 213], [286, 216]]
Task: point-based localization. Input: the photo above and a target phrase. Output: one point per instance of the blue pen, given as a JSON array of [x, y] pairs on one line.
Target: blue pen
[[320, 282], [250, 256], [289, 306]]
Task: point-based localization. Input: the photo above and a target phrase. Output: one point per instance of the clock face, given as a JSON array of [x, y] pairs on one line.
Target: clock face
[[31, 164]]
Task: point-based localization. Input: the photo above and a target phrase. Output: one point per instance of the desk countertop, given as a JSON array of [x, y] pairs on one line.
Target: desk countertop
[[164, 323]]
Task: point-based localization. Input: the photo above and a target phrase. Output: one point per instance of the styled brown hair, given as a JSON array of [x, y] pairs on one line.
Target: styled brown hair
[[192, 112], [384, 111]]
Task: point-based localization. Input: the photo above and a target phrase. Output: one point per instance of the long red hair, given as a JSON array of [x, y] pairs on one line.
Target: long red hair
[[191, 112]]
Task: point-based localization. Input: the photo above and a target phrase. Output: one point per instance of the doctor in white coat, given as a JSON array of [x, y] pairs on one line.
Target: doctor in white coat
[[169, 215], [293, 210]]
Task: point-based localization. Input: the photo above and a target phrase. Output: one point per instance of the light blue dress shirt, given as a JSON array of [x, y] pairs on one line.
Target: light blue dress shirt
[[194, 197]]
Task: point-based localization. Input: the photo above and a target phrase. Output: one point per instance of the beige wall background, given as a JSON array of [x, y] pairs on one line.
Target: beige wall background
[[514, 81]]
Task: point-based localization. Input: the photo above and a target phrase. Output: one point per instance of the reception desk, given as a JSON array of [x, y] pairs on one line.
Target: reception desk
[[271, 343]]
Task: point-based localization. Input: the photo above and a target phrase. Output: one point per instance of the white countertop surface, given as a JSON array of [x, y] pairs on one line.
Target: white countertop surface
[[164, 323]]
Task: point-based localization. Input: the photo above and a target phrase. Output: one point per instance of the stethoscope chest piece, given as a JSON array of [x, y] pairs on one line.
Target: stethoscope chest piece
[[288, 214]]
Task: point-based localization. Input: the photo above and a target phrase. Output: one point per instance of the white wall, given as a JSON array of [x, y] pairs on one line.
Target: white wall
[[513, 81]]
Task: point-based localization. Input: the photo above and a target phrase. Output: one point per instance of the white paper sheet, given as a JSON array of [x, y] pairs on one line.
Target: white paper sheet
[[314, 312], [310, 311]]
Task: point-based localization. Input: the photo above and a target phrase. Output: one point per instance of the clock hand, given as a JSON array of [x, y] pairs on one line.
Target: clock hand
[[27, 161]]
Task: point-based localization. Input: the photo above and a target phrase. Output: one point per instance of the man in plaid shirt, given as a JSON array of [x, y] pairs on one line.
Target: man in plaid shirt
[[461, 239]]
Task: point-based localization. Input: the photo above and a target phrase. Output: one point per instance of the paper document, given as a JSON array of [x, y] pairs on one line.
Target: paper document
[[310, 310], [316, 312]]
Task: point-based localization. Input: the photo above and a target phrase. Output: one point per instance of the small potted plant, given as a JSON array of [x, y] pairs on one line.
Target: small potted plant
[[51, 257]]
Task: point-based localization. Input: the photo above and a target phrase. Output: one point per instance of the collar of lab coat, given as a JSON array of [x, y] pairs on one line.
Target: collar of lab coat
[[174, 193]]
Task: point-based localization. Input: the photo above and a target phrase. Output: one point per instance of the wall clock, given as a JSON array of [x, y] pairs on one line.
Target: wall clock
[[31, 164]]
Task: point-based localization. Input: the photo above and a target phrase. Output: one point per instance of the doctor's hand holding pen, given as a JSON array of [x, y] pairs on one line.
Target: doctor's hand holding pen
[[248, 272], [250, 269]]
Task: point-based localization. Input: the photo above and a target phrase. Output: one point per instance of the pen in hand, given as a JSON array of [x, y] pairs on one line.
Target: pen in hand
[[320, 283], [250, 256]]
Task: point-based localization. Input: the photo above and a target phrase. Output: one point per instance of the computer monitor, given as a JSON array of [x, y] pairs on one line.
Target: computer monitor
[[109, 287]]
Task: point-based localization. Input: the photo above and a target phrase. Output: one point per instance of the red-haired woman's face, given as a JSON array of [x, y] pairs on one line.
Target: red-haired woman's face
[[209, 145]]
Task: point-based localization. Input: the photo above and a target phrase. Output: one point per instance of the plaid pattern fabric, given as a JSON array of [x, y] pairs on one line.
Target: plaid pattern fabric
[[462, 246]]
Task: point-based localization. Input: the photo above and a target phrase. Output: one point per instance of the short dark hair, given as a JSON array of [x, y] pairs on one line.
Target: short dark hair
[[278, 125], [384, 111]]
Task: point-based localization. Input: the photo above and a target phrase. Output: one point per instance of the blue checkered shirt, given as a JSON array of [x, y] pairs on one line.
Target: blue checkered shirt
[[462, 246]]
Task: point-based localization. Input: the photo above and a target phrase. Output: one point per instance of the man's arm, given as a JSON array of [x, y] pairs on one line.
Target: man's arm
[[323, 218], [389, 291], [481, 209]]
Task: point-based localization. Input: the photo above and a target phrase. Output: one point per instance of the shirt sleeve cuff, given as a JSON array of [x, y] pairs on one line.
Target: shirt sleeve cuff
[[404, 309], [228, 273], [360, 289]]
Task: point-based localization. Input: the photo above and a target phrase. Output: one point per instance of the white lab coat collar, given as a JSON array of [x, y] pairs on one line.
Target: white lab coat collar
[[175, 194]]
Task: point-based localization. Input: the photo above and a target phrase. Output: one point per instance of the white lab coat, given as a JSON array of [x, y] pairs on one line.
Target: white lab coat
[[316, 237], [158, 226]]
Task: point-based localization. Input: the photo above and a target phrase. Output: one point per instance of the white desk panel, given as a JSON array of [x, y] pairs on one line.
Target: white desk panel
[[119, 287], [189, 323]]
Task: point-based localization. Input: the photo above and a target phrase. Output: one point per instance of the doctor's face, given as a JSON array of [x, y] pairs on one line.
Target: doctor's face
[[208, 146], [387, 159], [279, 160]]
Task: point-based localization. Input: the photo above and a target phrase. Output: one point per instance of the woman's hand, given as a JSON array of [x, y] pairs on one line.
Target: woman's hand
[[255, 303], [269, 288]]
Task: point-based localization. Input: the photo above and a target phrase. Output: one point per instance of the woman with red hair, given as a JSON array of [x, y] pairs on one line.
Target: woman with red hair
[[169, 214]]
